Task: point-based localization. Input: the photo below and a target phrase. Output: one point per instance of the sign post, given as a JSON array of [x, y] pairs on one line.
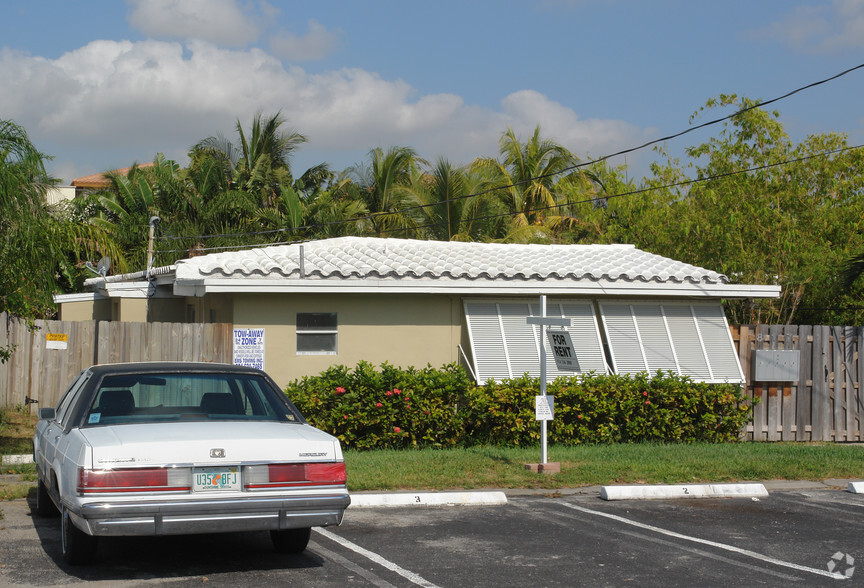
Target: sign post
[[546, 413]]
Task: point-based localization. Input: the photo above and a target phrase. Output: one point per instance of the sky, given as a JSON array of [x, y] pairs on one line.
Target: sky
[[101, 84]]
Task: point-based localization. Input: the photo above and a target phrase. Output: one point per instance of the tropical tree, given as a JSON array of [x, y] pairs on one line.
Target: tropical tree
[[528, 173], [41, 251], [260, 162], [762, 209], [384, 186], [450, 203]]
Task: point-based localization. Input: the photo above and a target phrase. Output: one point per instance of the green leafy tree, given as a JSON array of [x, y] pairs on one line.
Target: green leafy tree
[[763, 210]]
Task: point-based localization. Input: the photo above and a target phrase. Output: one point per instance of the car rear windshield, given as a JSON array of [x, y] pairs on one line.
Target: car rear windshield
[[143, 398]]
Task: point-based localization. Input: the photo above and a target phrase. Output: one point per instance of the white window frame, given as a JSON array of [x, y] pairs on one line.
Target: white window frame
[[697, 329], [300, 331]]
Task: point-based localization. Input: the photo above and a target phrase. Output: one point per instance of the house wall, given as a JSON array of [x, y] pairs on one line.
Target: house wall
[[87, 310], [403, 330]]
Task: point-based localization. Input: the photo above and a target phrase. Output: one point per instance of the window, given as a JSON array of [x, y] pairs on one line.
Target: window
[[316, 333], [689, 339], [505, 346], [185, 397]]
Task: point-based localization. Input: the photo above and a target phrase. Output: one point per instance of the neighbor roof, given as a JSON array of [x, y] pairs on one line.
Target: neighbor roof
[[364, 264], [99, 181]]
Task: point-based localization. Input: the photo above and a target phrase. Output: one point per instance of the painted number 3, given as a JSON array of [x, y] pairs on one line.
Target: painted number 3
[[416, 499]]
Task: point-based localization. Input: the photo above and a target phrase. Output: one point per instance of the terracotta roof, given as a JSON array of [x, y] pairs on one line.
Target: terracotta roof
[[100, 181]]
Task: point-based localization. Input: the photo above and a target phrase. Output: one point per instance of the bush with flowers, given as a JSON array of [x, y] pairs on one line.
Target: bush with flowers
[[368, 408]]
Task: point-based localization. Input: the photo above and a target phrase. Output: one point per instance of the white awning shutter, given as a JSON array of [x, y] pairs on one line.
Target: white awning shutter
[[504, 345], [690, 339]]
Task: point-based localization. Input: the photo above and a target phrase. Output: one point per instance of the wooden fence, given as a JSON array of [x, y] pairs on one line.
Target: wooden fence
[[46, 358], [826, 403]]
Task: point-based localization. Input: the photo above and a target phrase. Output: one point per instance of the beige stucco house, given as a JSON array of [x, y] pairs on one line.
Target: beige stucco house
[[299, 308]]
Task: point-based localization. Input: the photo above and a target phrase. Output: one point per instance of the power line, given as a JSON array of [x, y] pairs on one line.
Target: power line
[[544, 176], [591, 200]]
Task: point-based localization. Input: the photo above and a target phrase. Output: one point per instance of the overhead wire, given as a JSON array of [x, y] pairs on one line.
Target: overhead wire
[[591, 200], [579, 165]]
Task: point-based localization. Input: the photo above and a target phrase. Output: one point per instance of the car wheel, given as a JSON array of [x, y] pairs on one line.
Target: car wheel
[[290, 540], [78, 547], [44, 505]]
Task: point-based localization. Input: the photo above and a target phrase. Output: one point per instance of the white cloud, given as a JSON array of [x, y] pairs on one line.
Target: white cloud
[[219, 21], [316, 44], [111, 102], [820, 28]]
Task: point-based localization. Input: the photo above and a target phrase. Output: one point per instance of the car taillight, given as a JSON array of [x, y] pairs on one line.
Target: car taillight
[[282, 475], [133, 480]]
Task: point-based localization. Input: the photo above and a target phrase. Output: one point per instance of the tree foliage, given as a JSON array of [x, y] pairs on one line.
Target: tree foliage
[[747, 202]]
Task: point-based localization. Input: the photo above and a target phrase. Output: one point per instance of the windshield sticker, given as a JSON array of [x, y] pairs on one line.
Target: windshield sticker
[[94, 418]]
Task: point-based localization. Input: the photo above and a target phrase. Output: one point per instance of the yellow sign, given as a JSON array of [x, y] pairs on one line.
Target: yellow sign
[[56, 340]]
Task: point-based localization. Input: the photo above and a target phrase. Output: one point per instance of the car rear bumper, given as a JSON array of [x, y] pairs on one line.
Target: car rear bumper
[[212, 515]]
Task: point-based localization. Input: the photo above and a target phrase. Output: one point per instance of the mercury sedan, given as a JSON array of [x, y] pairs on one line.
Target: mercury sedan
[[183, 448]]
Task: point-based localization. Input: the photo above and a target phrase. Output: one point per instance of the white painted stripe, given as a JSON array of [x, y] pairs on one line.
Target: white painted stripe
[[645, 492], [732, 548], [410, 576], [429, 499], [856, 487]]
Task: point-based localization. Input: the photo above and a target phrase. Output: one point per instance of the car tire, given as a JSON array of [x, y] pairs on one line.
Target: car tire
[[45, 507], [78, 547], [290, 540]]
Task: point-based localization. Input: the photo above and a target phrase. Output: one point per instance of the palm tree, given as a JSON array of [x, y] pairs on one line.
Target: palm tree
[[527, 173], [447, 208], [40, 251], [385, 186], [261, 162]]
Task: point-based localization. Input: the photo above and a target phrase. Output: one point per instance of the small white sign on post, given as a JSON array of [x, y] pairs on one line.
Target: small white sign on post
[[544, 408], [249, 348], [563, 350]]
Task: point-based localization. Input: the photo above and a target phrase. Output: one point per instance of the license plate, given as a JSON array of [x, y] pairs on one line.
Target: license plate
[[209, 479]]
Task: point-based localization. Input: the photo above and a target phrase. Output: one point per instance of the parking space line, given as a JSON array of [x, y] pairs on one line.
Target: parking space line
[[351, 566], [724, 546], [410, 576]]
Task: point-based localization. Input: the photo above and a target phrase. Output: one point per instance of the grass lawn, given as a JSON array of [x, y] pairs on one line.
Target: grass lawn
[[584, 465], [492, 467]]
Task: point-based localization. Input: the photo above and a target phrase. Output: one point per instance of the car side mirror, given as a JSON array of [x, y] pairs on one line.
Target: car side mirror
[[47, 414]]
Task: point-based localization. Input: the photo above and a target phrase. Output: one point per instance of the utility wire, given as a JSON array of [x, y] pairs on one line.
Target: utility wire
[[544, 176], [591, 200]]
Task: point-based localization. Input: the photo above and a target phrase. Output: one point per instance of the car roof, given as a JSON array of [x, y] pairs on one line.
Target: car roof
[[145, 367]]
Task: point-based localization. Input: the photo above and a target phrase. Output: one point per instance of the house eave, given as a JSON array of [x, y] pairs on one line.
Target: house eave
[[459, 287]]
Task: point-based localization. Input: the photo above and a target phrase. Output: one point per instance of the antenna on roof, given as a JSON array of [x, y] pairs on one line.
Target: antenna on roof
[[102, 267]]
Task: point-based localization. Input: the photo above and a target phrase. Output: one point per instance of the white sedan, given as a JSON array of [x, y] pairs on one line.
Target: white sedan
[[182, 448]]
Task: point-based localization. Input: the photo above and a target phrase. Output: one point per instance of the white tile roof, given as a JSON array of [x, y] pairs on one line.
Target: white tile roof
[[361, 258]]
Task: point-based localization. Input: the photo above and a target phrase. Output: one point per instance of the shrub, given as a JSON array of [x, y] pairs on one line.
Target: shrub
[[401, 408]]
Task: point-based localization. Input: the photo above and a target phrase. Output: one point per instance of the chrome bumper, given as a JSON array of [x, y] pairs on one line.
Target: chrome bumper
[[210, 515]]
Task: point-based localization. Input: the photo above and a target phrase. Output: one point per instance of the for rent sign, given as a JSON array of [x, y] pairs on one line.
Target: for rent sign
[[563, 351]]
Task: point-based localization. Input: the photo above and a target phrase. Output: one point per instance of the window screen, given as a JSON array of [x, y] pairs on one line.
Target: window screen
[[505, 346], [316, 333], [690, 339]]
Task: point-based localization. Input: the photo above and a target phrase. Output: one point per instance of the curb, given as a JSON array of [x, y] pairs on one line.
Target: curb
[[856, 487], [683, 491], [429, 499]]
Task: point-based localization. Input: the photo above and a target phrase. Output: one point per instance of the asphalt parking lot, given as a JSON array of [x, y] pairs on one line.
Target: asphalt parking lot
[[805, 537]]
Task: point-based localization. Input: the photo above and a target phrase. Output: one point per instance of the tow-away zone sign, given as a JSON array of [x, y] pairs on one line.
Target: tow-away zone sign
[[563, 351]]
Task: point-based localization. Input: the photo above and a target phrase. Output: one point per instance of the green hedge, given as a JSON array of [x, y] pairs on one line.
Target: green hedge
[[369, 408]]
